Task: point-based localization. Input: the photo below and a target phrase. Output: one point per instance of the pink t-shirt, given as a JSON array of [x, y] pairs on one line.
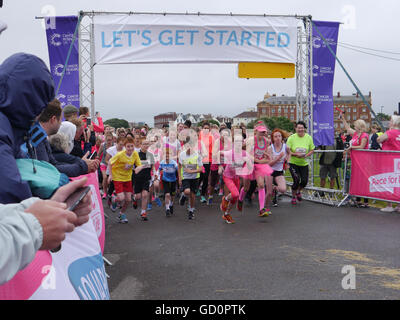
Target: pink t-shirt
[[393, 141], [234, 167], [356, 140]]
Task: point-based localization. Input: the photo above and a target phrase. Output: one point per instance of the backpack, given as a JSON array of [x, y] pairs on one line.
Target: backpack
[[43, 178]]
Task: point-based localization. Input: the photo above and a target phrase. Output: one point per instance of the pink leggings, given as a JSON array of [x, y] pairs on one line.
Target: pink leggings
[[234, 187]]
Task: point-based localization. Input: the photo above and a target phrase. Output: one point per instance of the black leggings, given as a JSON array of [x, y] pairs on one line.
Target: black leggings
[[299, 175], [204, 178]]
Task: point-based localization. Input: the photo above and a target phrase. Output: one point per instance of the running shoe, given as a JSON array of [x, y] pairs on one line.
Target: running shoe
[[158, 201], [134, 204], [264, 213], [113, 203], [104, 196], [224, 204], [191, 215], [275, 199], [182, 200], [203, 199], [210, 200], [294, 200], [221, 192], [122, 218], [239, 205], [144, 216], [198, 193], [228, 218], [298, 196], [149, 206], [168, 213]]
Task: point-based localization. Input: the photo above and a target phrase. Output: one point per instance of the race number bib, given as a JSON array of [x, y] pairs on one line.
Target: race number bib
[[191, 166]]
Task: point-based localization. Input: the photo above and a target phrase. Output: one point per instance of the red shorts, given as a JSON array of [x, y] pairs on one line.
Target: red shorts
[[123, 186]]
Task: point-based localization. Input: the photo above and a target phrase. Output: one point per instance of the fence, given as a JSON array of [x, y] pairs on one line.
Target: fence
[[362, 178]]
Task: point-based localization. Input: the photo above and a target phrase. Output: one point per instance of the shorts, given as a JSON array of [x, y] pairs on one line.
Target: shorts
[[142, 185], [169, 187], [192, 184], [276, 174], [123, 186], [324, 170]]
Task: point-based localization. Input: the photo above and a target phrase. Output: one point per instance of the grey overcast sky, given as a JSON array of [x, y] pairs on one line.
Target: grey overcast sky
[[138, 92]]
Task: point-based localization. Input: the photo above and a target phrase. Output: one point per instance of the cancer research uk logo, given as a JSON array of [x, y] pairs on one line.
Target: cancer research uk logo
[[88, 277], [386, 182], [55, 40]]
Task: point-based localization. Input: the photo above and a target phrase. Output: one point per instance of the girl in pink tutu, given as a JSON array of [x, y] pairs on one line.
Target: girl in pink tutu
[[261, 170], [237, 164]]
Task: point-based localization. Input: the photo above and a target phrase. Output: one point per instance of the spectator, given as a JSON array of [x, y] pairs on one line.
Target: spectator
[[359, 141], [95, 127], [391, 141], [70, 112], [69, 130], [329, 162], [26, 87], [80, 131], [50, 120], [375, 129], [59, 147]]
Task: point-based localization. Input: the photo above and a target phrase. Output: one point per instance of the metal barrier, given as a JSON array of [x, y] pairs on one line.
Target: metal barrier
[[333, 197]]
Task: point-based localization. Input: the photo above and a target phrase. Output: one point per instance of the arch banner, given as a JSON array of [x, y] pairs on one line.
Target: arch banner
[[174, 38]]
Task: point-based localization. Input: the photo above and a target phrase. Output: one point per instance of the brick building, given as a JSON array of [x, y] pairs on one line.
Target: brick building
[[164, 118], [285, 106]]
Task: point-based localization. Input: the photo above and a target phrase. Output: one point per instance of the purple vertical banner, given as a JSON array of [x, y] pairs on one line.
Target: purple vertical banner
[[59, 38], [323, 75]]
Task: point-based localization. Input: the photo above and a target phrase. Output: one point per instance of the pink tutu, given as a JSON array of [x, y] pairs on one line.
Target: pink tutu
[[259, 170]]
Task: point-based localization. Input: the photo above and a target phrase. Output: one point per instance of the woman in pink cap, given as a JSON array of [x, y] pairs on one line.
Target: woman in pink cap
[[261, 169]]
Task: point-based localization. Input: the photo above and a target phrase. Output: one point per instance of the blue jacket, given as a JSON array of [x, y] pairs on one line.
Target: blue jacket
[[68, 164], [26, 87]]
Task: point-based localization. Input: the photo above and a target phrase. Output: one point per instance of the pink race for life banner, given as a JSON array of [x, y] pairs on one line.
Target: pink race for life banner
[[375, 175], [75, 272]]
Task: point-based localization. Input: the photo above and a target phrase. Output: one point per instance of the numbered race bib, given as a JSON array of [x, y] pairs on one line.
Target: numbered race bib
[[191, 166], [145, 163]]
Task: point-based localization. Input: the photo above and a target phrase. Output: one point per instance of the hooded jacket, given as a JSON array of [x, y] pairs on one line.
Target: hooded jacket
[[26, 87]]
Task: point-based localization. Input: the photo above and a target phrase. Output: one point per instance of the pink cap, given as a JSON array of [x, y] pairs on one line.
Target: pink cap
[[261, 129]]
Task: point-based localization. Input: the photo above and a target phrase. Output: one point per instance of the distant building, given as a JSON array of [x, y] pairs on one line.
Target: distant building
[[285, 106], [164, 119], [245, 117]]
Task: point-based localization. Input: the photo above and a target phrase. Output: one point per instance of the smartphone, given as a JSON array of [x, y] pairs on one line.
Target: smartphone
[[88, 121], [75, 198]]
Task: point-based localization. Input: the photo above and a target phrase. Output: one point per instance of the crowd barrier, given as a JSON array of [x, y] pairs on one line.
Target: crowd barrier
[[74, 272], [372, 174]]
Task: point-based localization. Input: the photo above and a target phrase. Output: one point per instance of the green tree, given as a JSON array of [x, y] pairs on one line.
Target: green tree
[[275, 122], [383, 117], [117, 123]]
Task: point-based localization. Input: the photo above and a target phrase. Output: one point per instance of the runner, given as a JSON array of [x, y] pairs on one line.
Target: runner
[[261, 168], [103, 163], [111, 152], [301, 147], [143, 178], [121, 168], [168, 170], [206, 138], [279, 154], [237, 164], [190, 166]]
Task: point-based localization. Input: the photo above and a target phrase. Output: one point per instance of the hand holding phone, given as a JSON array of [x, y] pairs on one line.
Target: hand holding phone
[[75, 198]]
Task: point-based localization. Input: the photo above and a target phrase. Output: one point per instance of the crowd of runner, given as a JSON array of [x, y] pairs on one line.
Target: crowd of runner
[[142, 166]]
